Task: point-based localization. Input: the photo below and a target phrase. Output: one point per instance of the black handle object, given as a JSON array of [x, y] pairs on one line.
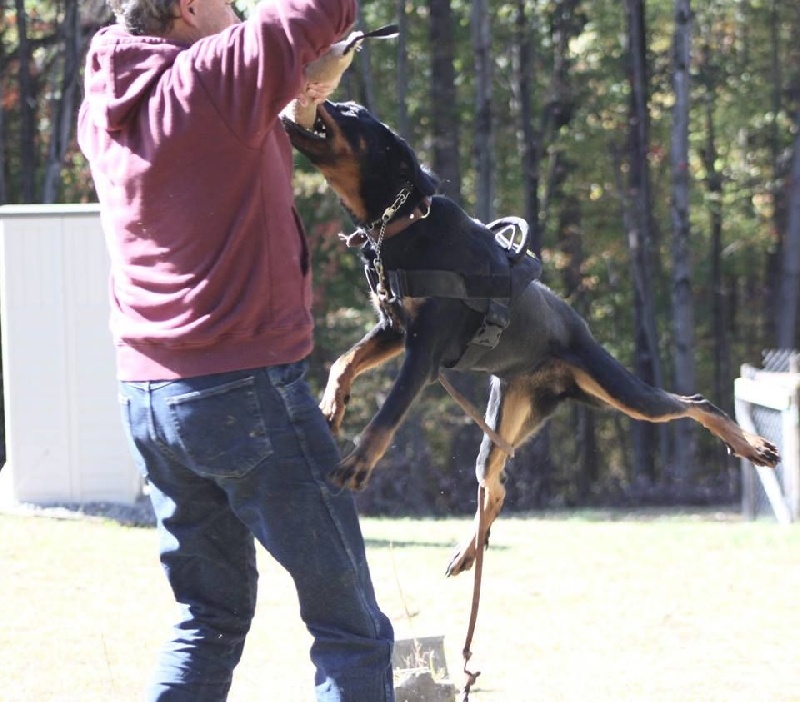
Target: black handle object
[[387, 31]]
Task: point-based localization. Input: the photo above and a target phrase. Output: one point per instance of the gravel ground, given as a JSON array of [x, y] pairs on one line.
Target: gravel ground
[[139, 514]]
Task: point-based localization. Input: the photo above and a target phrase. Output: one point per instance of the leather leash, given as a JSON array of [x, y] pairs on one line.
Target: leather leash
[[480, 547], [467, 406], [480, 539]]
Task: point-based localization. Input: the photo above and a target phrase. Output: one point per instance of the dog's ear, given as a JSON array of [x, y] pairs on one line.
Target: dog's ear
[[418, 175], [427, 181]]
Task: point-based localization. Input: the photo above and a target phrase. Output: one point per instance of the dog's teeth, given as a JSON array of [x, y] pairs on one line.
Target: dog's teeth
[[319, 129]]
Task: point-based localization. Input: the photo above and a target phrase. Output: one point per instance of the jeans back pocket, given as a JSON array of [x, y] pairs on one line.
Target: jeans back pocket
[[221, 430]]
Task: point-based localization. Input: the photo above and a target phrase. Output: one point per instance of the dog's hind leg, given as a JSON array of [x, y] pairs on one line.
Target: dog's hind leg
[[378, 346], [516, 409], [600, 376]]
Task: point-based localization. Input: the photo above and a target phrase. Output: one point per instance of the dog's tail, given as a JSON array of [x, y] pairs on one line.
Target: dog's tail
[[601, 377]]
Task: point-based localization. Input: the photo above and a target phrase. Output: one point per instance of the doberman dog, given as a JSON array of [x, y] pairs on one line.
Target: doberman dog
[[544, 353]]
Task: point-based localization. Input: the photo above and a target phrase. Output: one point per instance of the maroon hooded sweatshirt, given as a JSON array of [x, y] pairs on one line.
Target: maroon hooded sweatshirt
[[209, 265]]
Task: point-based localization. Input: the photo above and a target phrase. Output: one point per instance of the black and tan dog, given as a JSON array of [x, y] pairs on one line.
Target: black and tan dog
[[544, 355]]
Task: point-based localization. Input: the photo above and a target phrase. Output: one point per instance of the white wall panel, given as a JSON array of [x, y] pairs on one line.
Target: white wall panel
[[64, 440]]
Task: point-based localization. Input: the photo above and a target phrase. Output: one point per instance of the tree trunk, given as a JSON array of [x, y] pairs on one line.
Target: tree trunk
[[64, 110], [3, 68], [790, 268], [484, 147], [682, 311], [533, 146], [556, 113], [571, 246], [779, 192], [444, 103], [775, 136], [714, 187], [27, 102], [402, 72], [646, 362], [368, 88], [528, 137]]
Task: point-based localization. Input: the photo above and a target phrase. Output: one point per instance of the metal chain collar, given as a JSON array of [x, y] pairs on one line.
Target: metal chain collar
[[382, 289]]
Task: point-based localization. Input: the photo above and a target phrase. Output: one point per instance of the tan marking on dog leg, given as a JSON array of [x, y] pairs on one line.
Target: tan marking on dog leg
[[376, 442], [591, 386], [355, 470], [517, 422], [366, 354], [742, 443]]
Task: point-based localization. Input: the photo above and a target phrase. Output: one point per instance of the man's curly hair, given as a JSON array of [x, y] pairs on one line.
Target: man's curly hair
[[154, 17]]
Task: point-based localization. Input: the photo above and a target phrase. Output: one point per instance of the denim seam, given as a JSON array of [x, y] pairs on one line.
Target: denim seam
[[212, 391], [151, 424]]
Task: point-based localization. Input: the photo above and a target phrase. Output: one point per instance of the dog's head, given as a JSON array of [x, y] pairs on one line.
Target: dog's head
[[365, 163]]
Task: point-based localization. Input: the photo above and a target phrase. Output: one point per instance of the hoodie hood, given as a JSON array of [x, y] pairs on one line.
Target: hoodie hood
[[120, 70]]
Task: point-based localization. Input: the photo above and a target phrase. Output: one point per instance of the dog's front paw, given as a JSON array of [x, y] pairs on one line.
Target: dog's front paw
[[353, 472], [333, 404]]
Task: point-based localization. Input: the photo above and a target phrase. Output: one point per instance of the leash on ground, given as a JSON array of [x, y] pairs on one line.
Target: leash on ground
[[480, 537]]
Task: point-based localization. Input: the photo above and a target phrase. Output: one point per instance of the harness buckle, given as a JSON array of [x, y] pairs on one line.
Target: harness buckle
[[494, 323]]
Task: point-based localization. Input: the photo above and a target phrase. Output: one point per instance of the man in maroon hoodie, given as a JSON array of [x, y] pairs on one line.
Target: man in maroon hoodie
[[210, 292]]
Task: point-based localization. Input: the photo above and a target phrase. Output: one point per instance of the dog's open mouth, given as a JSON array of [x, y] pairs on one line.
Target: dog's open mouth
[[318, 131]]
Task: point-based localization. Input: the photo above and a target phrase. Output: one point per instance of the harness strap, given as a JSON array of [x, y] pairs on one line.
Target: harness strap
[[491, 295], [448, 284], [473, 414]]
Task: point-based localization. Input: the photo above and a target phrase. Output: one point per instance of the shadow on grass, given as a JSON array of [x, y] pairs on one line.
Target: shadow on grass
[[138, 514], [391, 543]]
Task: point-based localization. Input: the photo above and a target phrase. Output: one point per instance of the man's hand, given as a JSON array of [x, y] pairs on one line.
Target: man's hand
[[323, 75], [315, 93]]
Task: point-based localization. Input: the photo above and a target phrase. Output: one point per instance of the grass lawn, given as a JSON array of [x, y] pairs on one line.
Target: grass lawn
[[584, 607]]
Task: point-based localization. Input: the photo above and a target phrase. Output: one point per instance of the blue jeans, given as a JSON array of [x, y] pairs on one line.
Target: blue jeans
[[239, 455]]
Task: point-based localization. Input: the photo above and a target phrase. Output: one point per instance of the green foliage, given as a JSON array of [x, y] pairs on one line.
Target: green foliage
[[737, 66], [744, 72]]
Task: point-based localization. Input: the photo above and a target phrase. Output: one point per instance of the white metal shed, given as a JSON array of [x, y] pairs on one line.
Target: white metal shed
[[64, 438]]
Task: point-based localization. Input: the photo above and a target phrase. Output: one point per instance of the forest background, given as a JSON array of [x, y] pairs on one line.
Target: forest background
[[654, 148]]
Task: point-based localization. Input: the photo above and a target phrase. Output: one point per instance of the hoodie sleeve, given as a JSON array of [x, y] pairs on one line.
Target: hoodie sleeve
[[253, 69]]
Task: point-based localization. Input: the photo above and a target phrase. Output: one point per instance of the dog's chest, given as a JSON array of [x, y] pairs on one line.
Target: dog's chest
[[399, 313]]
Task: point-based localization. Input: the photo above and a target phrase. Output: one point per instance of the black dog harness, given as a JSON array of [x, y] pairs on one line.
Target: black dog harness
[[491, 295]]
